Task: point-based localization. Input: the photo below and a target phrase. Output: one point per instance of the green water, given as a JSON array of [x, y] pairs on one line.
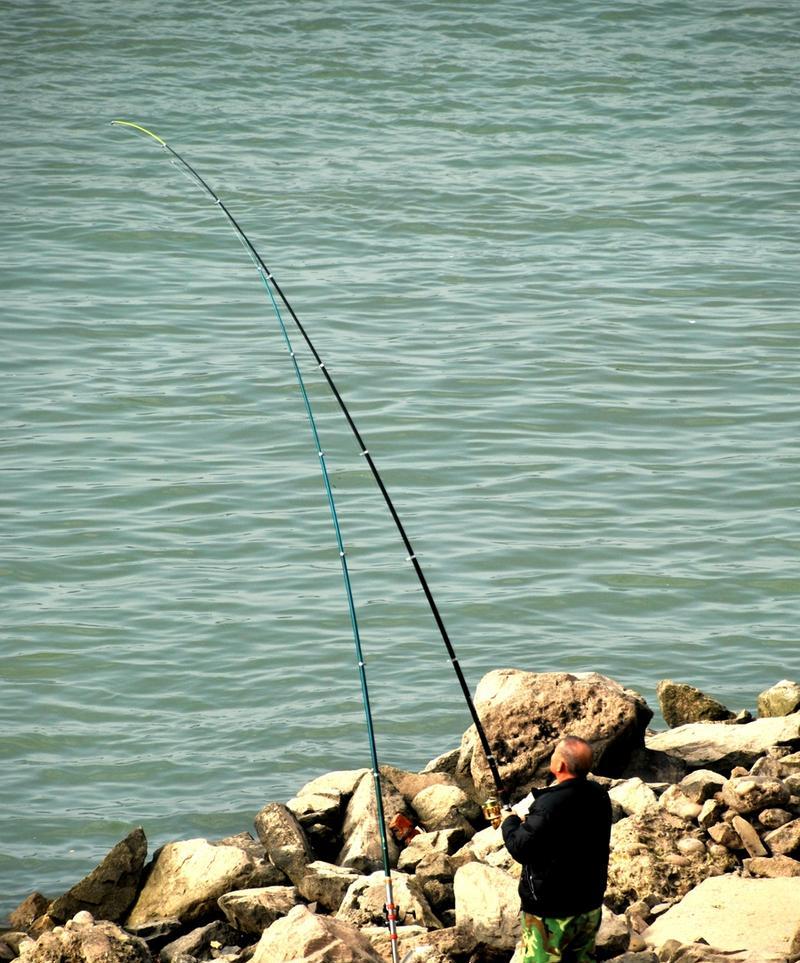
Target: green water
[[549, 252]]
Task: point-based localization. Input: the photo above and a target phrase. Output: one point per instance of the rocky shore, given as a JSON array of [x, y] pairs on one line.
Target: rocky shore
[[705, 855]]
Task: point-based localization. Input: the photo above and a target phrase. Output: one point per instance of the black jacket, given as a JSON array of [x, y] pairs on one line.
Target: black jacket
[[563, 847]]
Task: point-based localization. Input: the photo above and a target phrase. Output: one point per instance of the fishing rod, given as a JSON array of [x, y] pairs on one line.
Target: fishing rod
[[268, 279], [390, 906]]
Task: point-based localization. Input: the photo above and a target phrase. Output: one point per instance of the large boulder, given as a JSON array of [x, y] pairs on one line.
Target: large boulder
[[633, 796], [319, 808], [284, 841], [326, 884], [445, 841], [681, 703], [362, 843], [304, 936], [83, 940], [253, 910], [487, 904], [31, 908], [187, 878], [749, 794], [785, 840], [781, 700], [109, 891], [721, 747], [649, 859], [446, 807], [365, 899], [526, 713], [733, 913]]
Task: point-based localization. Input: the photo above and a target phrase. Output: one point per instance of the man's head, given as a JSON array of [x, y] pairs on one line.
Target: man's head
[[571, 758]]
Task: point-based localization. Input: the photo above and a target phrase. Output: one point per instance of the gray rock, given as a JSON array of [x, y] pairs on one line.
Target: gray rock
[[748, 794], [253, 910], [633, 796], [487, 905], [109, 891], [785, 840], [681, 704], [781, 700], [326, 884], [284, 841]]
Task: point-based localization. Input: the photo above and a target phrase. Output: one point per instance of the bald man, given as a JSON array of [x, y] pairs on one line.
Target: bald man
[[562, 844]]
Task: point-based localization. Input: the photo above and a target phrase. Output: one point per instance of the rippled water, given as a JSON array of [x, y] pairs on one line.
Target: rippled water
[[549, 252]]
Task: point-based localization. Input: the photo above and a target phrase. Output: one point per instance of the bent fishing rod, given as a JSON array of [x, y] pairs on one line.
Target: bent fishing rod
[[391, 906], [268, 279]]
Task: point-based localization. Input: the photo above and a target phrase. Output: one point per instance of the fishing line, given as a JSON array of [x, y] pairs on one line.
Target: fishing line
[[391, 908], [411, 555]]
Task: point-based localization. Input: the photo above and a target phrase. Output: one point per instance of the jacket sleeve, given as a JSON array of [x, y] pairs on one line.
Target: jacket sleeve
[[523, 837]]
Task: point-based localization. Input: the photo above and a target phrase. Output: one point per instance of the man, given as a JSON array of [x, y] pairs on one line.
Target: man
[[562, 844]]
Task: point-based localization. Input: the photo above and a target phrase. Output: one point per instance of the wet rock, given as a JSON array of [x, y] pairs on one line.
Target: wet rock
[[109, 891], [446, 807], [701, 785], [681, 703], [198, 943], [29, 909], [731, 912], [303, 935], [784, 841], [253, 910], [772, 867], [774, 818], [362, 847], [676, 803], [326, 884], [82, 940], [187, 878], [716, 746], [633, 796], [748, 794], [284, 841], [364, 902], [749, 837], [525, 714], [781, 700], [487, 904]]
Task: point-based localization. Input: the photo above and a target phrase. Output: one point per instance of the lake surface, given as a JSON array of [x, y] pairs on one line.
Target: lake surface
[[549, 253]]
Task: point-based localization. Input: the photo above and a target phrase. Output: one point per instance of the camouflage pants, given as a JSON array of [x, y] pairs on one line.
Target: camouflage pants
[[568, 939]]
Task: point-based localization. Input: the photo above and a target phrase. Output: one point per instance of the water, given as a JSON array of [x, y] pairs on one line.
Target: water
[[549, 252]]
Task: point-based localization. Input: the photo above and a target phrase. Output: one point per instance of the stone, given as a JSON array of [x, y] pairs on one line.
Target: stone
[[326, 884], [641, 956], [681, 703], [748, 794], [634, 796], [341, 781], [446, 807], [731, 912], [725, 835], [109, 891], [285, 843], [773, 818], [362, 845], [304, 936], [487, 904], [689, 846], [701, 785], [447, 762], [785, 840], [772, 867], [31, 908], [613, 935], [445, 841], [487, 847], [364, 902], [676, 803], [413, 943], [198, 944], [409, 784], [790, 763], [82, 940], [767, 766], [186, 879], [716, 746], [324, 807], [526, 713], [710, 813], [749, 837], [253, 910], [781, 700], [644, 861]]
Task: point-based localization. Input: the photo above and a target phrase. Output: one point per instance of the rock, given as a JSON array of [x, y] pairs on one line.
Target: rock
[[655, 767], [362, 846], [326, 884], [446, 807], [716, 746], [302, 935], [689, 846], [29, 909], [284, 841], [187, 878], [409, 784], [253, 910], [634, 796], [643, 956], [445, 841], [710, 813], [731, 913], [767, 766], [681, 703], [109, 891], [748, 794], [198, 943], [781, 700], [342, 781], [644, 860], [790, 763], [701, 785], [319, 807], [447, 762], [772, 867], [674, 801], [726, 835], [84, 941], [613, 935], [487, 904], [749, 837], [364, 902], [773, 818], [407, 937], [487, 847], [525, 714], [785, 840]]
